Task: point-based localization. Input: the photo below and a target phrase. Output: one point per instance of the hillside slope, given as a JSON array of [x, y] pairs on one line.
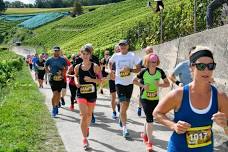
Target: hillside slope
[[128, 19]]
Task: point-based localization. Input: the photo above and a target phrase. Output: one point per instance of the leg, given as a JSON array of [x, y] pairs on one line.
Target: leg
[[123, 112], [113, 94], [84, 118], [210, 9]]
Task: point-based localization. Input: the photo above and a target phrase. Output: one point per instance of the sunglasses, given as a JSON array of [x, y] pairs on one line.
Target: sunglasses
[[202, 66]]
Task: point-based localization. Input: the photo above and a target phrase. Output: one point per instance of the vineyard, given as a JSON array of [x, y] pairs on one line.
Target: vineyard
[[130, 19]]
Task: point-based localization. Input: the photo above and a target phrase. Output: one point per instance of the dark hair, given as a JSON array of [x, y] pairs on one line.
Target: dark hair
[[85, 49]]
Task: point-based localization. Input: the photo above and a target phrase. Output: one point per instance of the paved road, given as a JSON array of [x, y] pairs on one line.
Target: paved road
[[105, 134]]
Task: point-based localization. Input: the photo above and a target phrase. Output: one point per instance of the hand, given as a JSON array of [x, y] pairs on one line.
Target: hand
[[125, 69], [87, 79], [181, 85], [146, 87], [157, 83], [77, 85], [112, 75], [220, 119], [181, 127]]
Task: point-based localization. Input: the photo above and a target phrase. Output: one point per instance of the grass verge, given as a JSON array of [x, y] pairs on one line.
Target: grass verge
[[25, 123]]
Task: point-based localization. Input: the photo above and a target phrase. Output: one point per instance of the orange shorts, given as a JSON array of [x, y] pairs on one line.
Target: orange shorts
[[86, 102]]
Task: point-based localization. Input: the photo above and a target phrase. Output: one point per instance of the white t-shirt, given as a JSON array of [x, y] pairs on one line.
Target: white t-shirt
[[127, 60]]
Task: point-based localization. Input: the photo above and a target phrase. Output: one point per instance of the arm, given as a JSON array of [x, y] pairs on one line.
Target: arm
[[164, 84], [70, 70], [221, 117], [171, 101], [76, 69], [137, 70], [97, 71]]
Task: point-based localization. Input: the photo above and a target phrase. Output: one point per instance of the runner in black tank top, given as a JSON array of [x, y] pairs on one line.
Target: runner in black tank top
[[86, 79]]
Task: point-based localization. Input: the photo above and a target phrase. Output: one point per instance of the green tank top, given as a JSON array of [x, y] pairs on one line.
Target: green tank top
[[151, 80]]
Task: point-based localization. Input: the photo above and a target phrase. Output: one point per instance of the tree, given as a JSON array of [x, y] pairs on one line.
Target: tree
[[77, 10], [2, 6]]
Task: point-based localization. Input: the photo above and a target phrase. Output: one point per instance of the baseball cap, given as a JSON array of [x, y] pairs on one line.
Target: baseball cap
[[56, 48], [123, 42], [154, 58]]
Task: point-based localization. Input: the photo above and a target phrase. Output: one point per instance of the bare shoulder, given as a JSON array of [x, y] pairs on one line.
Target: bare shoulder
[[222, 97]]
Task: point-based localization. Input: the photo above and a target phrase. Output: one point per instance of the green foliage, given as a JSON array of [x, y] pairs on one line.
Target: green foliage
[[77, 10], [2, 6], [8, 67]]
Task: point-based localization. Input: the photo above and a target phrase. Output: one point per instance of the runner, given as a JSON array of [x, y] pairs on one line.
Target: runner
[[182, 71], [148, 80], [196, 106], [34, 60], [112, 87], [63, 92], [86, 79], [55, 66], [29, 60], [104, 64], [40, 70], [148, 50], [124, 61], [72, 86], [93, 59]]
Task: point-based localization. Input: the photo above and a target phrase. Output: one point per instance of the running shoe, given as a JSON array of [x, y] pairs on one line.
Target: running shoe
[[54, 112], [149, 147], [72, 107], [139, 111], [114, 115], [93, 120], [144, 137], [125, 133], [63, 101], [85, 144]]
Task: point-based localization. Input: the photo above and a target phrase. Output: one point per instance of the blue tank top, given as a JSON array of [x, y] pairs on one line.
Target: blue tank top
[[200, 137]]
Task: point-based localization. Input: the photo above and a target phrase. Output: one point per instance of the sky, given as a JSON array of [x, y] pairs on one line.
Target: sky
[[24, 1]]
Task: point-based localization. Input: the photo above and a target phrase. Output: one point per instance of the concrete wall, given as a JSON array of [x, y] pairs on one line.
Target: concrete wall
[[173, 52]]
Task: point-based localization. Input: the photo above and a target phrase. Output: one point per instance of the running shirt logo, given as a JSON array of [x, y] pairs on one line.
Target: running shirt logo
[[87, 88], [40, 68], [125, 74], [57, 78], [151, 94], [199, 137]]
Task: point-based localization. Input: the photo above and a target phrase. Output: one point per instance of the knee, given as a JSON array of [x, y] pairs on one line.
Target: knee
[[83, 116]]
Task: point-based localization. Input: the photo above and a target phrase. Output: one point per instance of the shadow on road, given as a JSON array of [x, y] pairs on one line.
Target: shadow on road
[[106, 145]]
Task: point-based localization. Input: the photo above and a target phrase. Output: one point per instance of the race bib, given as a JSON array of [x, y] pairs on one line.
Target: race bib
[[199, 137], [57, 78], [87, 88], [125, 74], [151, 94], [40, 68]]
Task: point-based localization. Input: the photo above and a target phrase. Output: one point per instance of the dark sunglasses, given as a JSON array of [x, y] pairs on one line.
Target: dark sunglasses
[[202, 66]]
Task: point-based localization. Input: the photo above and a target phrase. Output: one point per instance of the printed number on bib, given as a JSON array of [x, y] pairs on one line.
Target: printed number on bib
[[87, 88], [124, 74], [57, 78], [151, 94], [198, 137]]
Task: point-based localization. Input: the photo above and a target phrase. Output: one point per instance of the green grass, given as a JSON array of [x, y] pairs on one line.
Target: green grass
[[25, 123], [44, 10]]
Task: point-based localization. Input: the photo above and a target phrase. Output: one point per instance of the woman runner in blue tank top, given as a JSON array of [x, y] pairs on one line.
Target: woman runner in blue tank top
[[87, 76], [196, 106]]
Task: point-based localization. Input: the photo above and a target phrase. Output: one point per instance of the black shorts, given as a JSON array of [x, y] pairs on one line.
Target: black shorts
[[56, 85], [112, 86], [41, 75], [148, 108], [64, 85], [124, 92], [104, 74]]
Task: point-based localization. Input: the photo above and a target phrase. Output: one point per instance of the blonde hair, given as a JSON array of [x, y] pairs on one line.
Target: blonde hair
[[146, 60]]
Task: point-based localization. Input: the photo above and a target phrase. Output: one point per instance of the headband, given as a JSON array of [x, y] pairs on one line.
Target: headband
[[202, 53]]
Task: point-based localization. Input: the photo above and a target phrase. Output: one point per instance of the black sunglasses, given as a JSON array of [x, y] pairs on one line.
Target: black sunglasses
[[202, 66]]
